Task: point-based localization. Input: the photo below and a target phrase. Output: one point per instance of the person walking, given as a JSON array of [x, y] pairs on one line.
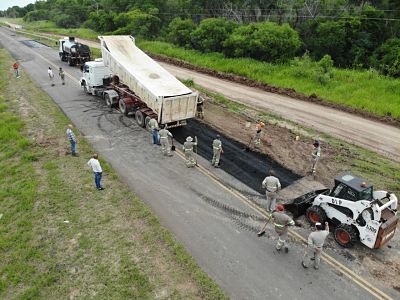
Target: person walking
[[200, 108], [257, 137], [97, 170], [316, 241], [16, 69], [316, 154], [188, 150], [153, 124], [217, 151], [62, 75], [281, 222], [272, 185], [164, 140], [51, 75], [72, 139]]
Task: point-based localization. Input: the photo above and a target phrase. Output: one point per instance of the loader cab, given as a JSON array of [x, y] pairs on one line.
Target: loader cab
[[352, 188]]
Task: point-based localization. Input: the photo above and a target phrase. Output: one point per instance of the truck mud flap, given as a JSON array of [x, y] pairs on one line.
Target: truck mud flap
[[299, 205]]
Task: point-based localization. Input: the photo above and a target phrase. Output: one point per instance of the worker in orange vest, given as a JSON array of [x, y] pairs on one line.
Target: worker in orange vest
[[257, 138]]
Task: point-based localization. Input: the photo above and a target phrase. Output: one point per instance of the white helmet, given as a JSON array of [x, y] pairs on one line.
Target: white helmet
[[189, 139]]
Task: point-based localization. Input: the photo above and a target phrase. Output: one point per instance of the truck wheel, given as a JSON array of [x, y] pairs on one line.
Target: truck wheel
[[109, 101], [139, 118], [70, 62], [122, 107], [345, 235], [85, 88], [146, 123], [316, 214]]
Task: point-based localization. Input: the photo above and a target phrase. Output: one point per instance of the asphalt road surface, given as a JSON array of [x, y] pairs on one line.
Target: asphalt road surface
[[214, 225]]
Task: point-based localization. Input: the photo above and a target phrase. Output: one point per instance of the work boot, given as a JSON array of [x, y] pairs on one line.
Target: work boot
[[316, 267], [286, 249], [304, 265]]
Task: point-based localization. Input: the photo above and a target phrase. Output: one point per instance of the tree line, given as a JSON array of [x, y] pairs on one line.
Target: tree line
[[353, 33]]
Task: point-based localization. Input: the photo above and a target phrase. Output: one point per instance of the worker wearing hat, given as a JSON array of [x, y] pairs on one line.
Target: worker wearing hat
[[316, 154], [164, 140], [316, 241], [281, 223], [217, 150], [272, 185], [188, 150]]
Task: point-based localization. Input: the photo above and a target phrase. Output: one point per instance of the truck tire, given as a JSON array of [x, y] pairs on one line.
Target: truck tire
[[85, 88], [122, 107], [139, 116], [316, 214], [146, 123], [346, 235], [70, 61], [108, 100]]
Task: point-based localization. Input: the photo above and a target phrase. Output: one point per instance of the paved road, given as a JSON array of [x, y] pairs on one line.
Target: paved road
[[193, 206]]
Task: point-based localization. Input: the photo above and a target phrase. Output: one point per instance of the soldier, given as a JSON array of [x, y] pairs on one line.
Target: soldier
[[199, 111], [217, 150], [271, 185], [257, 137], [316, 154], [62, 75], [51, 75], [316, 241], [154, 130], [188, 149], [164, 140], [281, 222]]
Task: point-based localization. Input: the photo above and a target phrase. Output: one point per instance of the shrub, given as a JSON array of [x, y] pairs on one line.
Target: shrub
[[210, 35], [179, 32], [137, 23], [37, 15], [264, 41], [387, 58], [101, 22], [65, 21]]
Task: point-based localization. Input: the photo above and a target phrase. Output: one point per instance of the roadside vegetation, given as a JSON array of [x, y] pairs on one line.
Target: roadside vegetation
[[61, 238]]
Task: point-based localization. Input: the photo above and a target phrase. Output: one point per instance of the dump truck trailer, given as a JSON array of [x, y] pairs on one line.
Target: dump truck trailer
[[128, 78]]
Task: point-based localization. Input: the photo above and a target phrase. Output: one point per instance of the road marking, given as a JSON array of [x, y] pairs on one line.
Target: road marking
[[325, 257]]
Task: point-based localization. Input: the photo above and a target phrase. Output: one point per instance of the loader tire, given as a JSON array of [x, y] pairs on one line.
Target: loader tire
[[316, 214], [346, 235], [139, 116]]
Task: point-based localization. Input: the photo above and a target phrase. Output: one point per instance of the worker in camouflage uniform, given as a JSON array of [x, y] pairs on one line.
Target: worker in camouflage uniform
[[257, 137], [61, 73], [271, 185], [164, 140], [316, 241], [200, 108], [188, 150], [316, 154], [281, 222], [217, 150]]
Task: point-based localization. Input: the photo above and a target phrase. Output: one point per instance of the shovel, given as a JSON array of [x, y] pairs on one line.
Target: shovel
[[262, 231]]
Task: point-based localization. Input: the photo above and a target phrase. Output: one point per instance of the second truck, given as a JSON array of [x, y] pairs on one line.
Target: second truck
[[128, 78]]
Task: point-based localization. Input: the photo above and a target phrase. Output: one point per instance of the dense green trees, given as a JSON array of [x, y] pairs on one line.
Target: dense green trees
[[354, 33]]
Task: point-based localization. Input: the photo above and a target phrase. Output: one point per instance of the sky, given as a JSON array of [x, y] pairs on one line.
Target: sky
[[4, 4]]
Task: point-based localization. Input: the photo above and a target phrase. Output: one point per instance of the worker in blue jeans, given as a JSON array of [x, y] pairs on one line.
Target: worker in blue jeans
[[153, 124], [97, 170]]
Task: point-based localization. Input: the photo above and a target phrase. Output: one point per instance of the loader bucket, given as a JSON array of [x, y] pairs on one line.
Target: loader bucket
[[299, 205]]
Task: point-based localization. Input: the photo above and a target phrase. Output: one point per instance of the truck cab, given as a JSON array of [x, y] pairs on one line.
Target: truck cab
[[93, 75]]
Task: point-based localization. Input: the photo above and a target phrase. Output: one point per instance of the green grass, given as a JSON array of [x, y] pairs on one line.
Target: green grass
[[363, 90], [113, 246]]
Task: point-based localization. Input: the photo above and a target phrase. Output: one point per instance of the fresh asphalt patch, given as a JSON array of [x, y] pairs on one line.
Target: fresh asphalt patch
[[34, 44]]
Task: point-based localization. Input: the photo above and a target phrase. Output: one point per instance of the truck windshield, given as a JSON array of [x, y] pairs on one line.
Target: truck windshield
[[86, 69]]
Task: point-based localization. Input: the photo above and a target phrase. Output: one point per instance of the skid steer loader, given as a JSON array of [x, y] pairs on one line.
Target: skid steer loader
[[356, 211]]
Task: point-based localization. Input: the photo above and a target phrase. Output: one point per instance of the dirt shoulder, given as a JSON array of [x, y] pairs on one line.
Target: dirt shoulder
[[78, 242]]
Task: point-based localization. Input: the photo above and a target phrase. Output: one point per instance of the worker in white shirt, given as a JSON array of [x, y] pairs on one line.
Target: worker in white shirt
[[51, 75], [95, 164]]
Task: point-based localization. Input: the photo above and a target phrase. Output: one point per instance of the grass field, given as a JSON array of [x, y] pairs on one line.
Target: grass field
[[60, 237], [364, 90]]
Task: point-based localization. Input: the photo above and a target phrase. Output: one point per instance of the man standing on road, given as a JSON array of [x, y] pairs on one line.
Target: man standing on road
[[199, 110], [95, 164], [16, 69], [154, 130], [271, 185], [257, 137], [316, 154], [316, 241], [51, 75], [164, 140], [217, 150], [62, 75], [281, 222], [72, 139], [188, 149]]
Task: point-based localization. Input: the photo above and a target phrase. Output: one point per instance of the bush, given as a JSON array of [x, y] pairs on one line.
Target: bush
[[387, 58], [264, 41], [37, 15], [210, 35], [101, 22], [65, 21], [137, 23], [179, 32]]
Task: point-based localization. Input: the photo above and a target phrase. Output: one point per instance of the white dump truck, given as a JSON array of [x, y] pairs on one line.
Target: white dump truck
[[128, 78]]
